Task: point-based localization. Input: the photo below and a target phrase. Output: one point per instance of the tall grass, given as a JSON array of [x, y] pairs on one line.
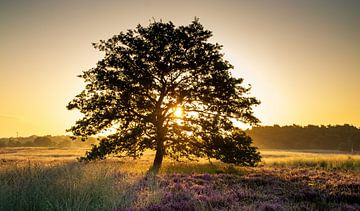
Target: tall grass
[[66, 186], [329, 161], [40, 182], [329, 164]]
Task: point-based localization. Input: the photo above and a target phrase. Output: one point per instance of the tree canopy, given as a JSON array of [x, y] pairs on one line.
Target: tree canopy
[[168, 89]]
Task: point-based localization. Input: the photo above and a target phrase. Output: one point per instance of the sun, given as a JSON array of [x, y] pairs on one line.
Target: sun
[[178, 112]]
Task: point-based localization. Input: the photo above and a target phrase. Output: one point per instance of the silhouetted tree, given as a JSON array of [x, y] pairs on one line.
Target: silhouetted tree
[[150, 74]]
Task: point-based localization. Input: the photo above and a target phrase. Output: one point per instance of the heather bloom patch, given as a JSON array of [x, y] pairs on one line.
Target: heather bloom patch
[[266, 189]]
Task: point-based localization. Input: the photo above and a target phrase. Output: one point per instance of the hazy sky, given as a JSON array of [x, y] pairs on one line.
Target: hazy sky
[[302, 58]]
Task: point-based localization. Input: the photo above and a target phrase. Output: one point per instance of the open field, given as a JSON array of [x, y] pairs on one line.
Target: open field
[[331, 160], [279, 158], [50, 179]]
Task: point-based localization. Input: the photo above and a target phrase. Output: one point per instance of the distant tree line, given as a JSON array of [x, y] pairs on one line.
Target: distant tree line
[[45, 141], [332, 137]]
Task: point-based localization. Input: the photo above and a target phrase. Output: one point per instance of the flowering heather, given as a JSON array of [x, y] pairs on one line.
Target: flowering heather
[[265, 189]]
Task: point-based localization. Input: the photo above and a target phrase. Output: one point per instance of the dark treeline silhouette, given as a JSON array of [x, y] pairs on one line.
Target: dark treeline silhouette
[[332, 137], [45, 141]]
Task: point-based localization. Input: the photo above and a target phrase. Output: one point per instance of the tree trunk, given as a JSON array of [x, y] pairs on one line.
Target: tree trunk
[[160, 151], [160, 137], [158, 160]]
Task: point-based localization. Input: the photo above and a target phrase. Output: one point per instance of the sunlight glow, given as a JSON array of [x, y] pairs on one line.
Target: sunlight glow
[[311, 48], [178, 112], [108, 131], [241, 125]]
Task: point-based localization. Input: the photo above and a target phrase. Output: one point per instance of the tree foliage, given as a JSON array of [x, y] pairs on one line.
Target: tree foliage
[[145, 76]]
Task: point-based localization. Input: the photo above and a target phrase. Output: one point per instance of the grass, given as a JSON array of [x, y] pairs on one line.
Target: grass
[[35, 179], [61, 186], [323, 160], [41, 153], [278, 158]]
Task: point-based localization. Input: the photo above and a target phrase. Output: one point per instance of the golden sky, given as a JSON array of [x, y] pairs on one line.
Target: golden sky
[[302, 58]]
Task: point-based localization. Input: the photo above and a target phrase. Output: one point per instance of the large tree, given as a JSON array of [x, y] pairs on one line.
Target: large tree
[[168, 89]]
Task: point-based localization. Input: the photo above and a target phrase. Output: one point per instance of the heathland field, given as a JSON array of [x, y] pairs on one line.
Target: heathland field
[[52, 179]]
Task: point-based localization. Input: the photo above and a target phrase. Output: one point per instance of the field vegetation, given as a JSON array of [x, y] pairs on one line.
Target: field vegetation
[[41, 178]]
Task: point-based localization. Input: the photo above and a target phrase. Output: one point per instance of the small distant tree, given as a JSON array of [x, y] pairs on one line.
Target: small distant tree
[[64, 144], [43, 141], [168, 89], [13, 143], [3, 143]]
